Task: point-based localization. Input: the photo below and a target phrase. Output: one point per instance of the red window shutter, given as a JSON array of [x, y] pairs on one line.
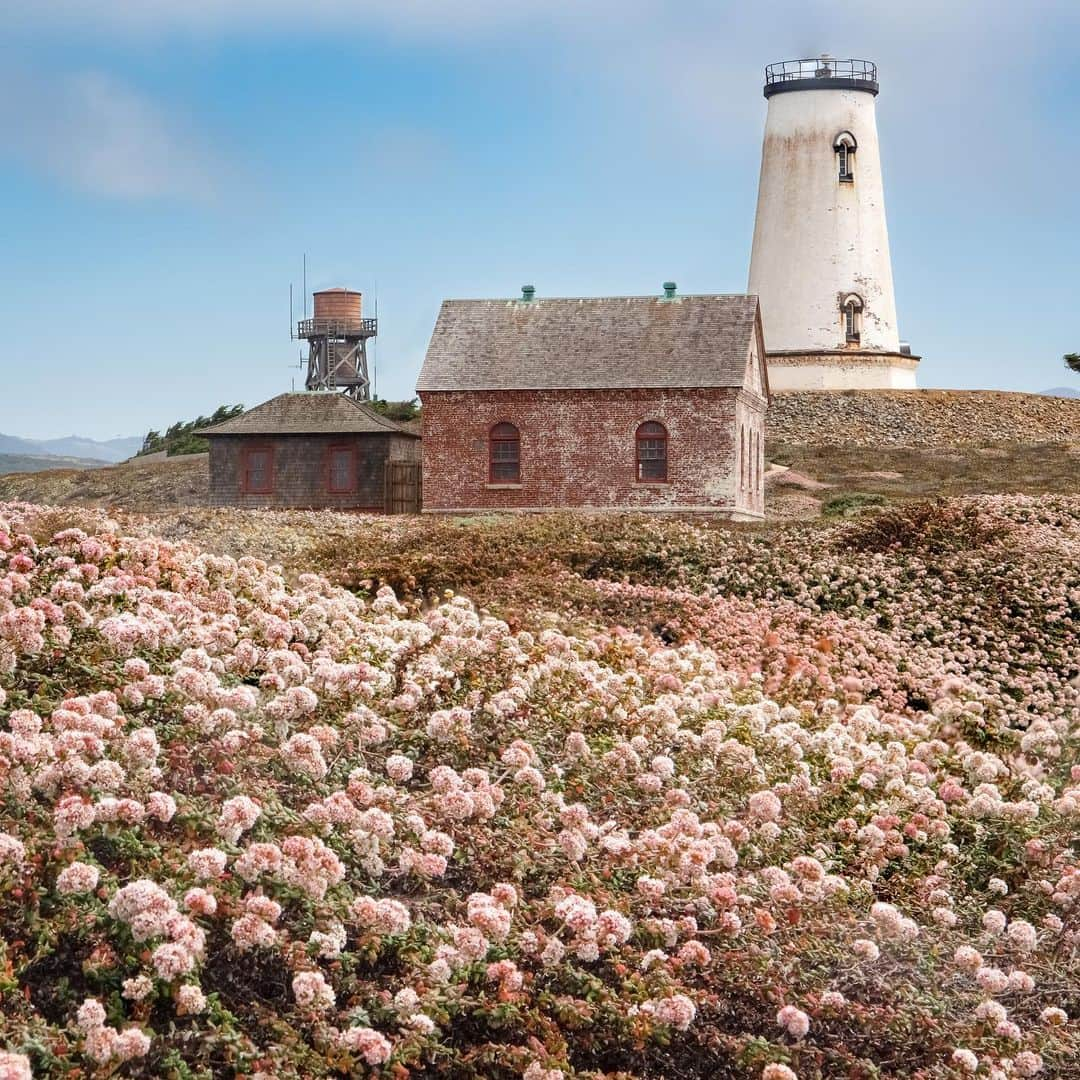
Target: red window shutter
[[257, 470], [341, 470]]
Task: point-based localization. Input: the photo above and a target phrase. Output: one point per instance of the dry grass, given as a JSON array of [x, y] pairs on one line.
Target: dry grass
[[139, 485], [901, 474]]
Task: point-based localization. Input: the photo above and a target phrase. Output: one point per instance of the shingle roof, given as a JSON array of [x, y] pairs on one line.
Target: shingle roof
[[309, 412], [579, 344]]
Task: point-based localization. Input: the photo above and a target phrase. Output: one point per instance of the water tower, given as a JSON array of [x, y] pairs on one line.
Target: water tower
[[820, 262], [337, 337]]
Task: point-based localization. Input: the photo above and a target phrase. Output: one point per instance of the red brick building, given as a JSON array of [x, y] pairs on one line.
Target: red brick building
[[642, 403], [314, 449]]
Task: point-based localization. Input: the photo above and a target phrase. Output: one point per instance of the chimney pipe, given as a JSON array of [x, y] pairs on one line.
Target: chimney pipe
[[669, 290], [528, 292]]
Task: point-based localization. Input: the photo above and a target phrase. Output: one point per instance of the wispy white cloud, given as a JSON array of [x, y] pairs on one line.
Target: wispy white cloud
[[960, 72], [97, 134], [420, 17]]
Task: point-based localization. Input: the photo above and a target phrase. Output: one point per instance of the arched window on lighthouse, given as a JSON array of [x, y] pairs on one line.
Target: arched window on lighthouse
[[845, 146], [851, 307]]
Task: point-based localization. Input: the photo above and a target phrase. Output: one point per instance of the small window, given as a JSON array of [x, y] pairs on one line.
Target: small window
[[852, 312], [845, 146], [341, 470], [846, 174], [257, 471], [652, 440], [504, 461], [742, 457]]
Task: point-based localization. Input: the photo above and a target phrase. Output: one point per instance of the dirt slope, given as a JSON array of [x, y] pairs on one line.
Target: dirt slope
[[142, 484]]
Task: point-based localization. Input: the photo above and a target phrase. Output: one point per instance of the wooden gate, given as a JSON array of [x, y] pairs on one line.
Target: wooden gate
[[402, 487]]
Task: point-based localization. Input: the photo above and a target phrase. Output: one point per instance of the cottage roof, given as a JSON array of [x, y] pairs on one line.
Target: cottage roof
[[586, 344], [309, 412]]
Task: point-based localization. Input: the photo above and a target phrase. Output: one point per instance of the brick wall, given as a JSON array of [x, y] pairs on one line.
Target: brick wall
[[300, 470], [578, 450]]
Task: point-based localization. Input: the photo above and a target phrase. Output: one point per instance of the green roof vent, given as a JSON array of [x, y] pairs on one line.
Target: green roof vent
[[669, 290], [528, 292]]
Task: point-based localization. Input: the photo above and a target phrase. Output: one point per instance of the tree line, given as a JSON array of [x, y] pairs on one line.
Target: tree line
[[183, 436]]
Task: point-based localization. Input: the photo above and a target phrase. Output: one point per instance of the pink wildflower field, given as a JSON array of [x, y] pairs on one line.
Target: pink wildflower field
[[663, 799]]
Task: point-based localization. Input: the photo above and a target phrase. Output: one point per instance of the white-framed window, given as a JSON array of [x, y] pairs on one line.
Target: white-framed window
[[844, 145], [851, 308], [651, 449]]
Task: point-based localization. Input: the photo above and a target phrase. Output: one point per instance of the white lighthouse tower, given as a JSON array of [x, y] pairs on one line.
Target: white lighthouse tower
[[820, 262]]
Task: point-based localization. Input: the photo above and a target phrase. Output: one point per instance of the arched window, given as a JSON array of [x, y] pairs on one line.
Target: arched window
[[652, 440], [851, 308], [504, 454], [742, 457], [845, 146]]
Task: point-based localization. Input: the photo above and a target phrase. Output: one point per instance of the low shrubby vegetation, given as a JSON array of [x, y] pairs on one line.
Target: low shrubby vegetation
[[930, 527], [852, 503], [663, 799]]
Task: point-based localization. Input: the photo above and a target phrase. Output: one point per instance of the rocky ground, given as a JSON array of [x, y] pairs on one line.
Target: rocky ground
[[922, 418]]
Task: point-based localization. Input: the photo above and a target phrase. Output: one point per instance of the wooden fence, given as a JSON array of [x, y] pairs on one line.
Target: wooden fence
[[402, 487]]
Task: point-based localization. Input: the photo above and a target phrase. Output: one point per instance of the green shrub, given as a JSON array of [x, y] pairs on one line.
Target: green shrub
[[851, 504]]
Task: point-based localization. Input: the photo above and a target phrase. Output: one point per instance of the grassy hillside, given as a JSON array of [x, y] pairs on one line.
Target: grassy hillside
[[922, 450], [817, 478], [30, 463], [145, 483]]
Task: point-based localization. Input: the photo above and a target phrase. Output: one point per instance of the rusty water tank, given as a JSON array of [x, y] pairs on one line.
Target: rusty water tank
[[339, 305]]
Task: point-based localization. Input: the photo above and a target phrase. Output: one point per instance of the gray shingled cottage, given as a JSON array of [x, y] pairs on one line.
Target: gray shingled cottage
[[652, 403], [314, 450]]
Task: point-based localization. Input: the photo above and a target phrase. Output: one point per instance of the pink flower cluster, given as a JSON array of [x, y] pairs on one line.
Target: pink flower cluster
[[104, 1044], [421, 818]]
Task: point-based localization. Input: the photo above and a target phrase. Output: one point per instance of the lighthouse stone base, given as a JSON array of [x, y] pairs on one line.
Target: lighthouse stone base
[[841, 369]]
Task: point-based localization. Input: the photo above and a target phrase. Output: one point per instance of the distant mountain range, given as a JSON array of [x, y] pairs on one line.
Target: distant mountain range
[[1061, 391], [73, 446]]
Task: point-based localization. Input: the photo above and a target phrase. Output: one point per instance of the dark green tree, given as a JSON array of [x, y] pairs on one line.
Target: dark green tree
[[182, 436], [396, 410], [1072, 362]]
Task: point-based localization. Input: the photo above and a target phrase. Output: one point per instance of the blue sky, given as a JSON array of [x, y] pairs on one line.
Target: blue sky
[[165, 164]]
